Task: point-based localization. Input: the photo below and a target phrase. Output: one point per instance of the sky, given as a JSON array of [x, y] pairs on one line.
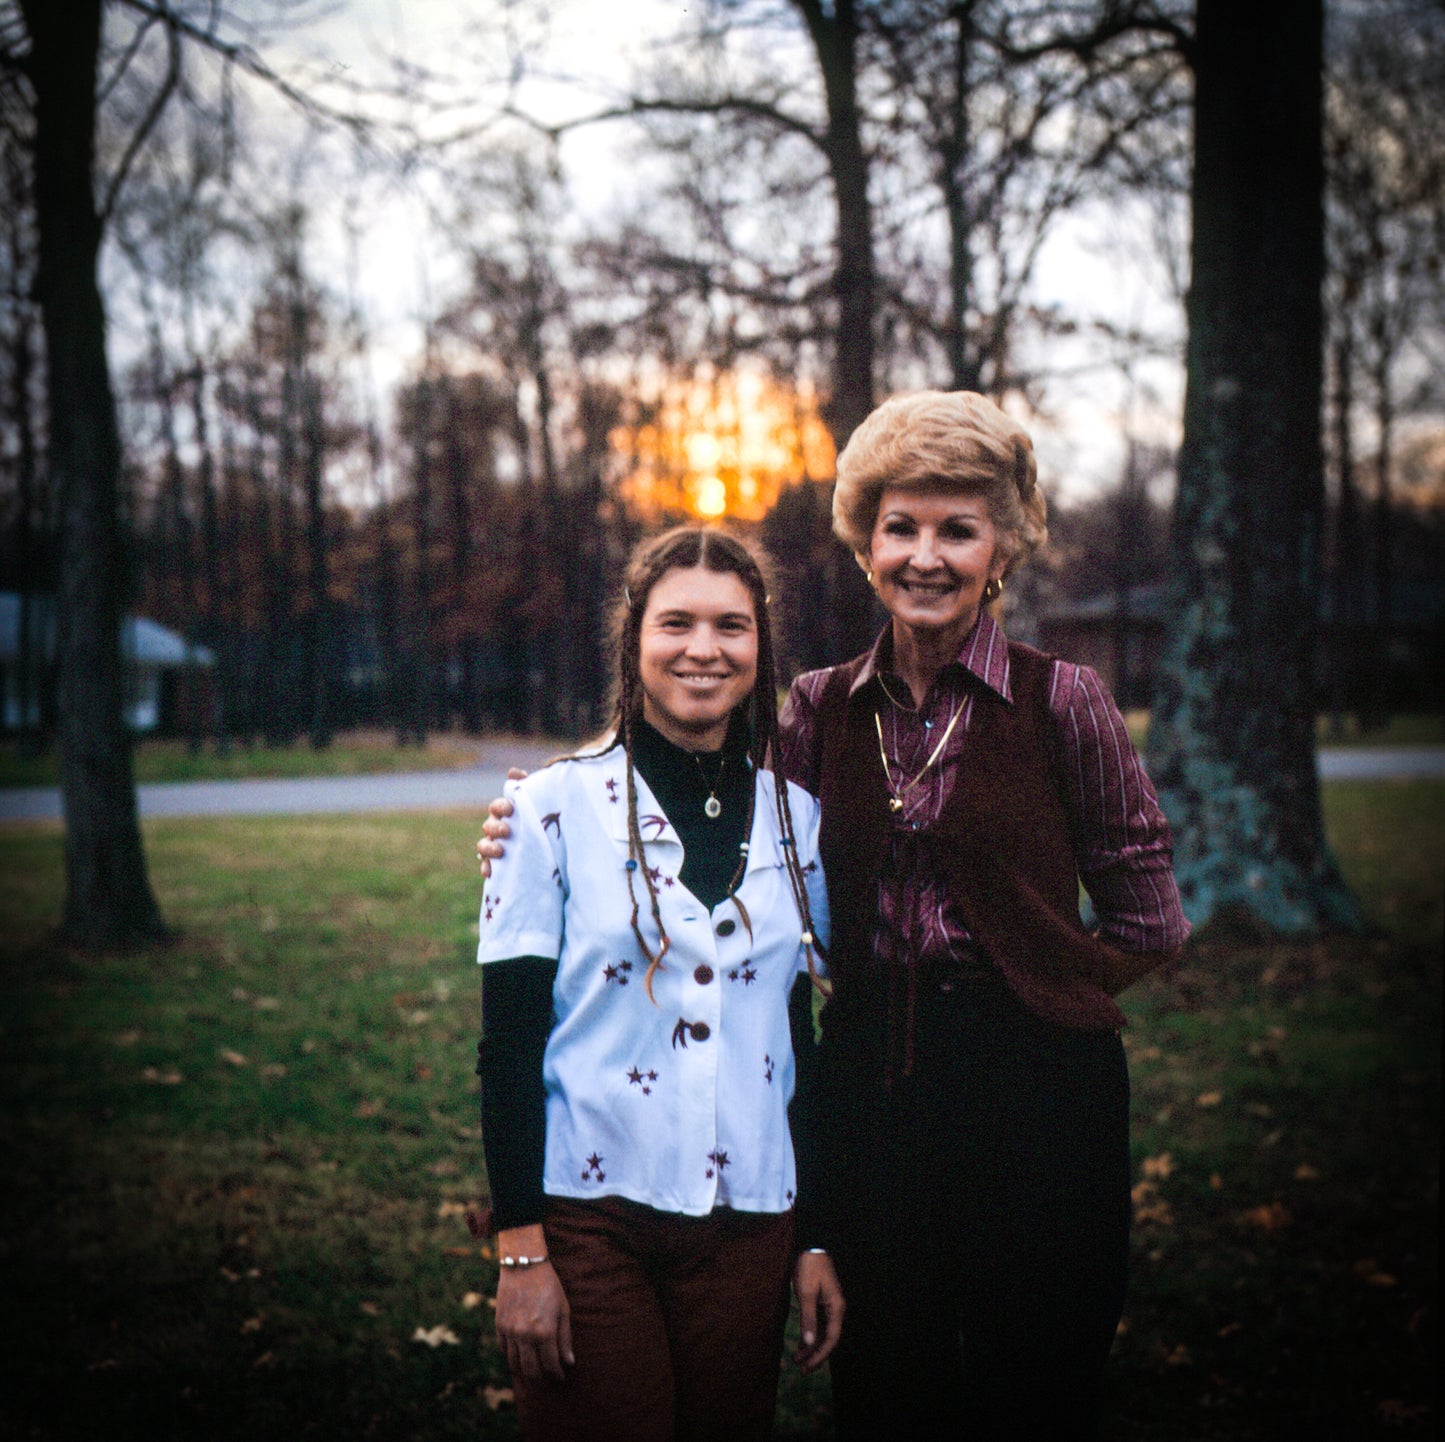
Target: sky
[[404, 268]]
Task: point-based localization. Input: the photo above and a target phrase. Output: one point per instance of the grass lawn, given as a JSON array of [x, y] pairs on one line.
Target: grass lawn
[[238, 1168], [352, 753]]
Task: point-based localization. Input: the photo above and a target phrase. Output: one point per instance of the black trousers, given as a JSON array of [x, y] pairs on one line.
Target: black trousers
[[982, 1206]]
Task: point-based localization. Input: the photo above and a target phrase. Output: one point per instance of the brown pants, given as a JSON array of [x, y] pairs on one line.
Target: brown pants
[[677, 1325]]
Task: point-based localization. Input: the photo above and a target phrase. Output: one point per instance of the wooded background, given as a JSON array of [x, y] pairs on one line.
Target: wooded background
[[828, 203]]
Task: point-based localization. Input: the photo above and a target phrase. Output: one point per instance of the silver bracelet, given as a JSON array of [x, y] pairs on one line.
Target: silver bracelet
[[521, 1262]]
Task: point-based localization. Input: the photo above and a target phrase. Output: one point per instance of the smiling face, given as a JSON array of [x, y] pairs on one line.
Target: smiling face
[[697, 654], [931, 555]]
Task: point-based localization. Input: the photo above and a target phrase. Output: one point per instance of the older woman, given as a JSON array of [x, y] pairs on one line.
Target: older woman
[[975, 1196], [970, 1122]]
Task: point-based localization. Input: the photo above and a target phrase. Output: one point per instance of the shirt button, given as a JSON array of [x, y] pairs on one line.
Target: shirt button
[[701, 1031], [702, 975], [726, 927]]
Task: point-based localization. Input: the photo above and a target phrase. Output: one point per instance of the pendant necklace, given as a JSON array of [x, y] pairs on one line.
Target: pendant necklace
[[895, 798], [712, 807]]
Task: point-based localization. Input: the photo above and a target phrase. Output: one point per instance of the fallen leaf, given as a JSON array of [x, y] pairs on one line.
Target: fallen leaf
[[266, 1359], [1229, 1329], [1160, 1166], [1394, 1413], [471, 1300], [1306, 1173], [451, 1209], [252, 1324], [126, 1038], [370, 1309], [1208, 1099], [1368, 1271], [1216, 1182], [368, 1108], [436, 1336], [267, 1003], [1179, 1357], [1148, 1053], [1271, 1217], [498, 1397], [273, 1070], [234, 1058], [168, 1078]]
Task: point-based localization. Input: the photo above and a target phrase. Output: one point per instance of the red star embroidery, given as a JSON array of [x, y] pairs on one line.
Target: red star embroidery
[[719, 1159], [655, 872], [594, 1167], [749, 976], [612, 791], [634, 1076], [613, 973], [768, 1070], [491, 903]]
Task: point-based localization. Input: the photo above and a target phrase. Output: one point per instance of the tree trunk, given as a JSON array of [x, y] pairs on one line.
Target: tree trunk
[[1232, 742], [108, 900], [834, 33]]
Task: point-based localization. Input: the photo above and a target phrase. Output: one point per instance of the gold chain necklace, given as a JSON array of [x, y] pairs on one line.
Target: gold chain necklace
[[895, 798]]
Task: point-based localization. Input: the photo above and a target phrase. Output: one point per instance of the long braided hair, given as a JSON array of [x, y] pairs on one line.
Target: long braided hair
[[684, 548]]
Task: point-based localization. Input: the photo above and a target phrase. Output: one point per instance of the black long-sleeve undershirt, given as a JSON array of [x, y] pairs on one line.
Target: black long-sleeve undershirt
[[517, 1014]]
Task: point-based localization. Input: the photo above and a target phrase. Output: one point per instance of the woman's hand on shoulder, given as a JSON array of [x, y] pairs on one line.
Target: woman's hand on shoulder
[[495, 829], [534, 1321], [820, 1305]]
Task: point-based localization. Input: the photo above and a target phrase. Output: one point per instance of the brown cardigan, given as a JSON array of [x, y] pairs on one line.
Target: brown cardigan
[[1003, 840]]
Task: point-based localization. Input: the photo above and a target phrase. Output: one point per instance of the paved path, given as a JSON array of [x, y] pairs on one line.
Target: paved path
[[471, 788]]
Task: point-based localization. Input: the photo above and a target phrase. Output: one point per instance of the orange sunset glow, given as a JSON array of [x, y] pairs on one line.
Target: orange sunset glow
[[720, 445]]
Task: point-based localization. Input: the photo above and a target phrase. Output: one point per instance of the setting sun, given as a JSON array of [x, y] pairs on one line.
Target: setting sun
[[717, 445]]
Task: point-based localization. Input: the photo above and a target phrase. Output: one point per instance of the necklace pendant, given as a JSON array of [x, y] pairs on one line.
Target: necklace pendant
[[894, 804], [712, 808]]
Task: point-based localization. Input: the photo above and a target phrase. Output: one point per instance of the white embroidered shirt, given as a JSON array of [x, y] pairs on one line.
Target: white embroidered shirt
[[681, 1104]]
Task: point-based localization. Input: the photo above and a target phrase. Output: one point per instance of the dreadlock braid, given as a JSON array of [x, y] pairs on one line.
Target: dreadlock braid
[[714, 550]]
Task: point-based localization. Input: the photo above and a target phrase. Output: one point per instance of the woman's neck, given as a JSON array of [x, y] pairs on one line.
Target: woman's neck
[[919, 655]]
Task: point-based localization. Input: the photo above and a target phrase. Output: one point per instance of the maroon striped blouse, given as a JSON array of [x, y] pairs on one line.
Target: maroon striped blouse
[[1123, 843]]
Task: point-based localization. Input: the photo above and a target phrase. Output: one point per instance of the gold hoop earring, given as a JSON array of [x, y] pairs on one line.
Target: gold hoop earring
[[992, 590], [869, 576]]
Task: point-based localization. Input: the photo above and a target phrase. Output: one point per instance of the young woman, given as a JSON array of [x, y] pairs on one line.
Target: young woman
[[646, 943]]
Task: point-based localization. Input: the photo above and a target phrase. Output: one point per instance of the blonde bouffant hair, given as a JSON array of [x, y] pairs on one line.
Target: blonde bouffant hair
[[942, 442]]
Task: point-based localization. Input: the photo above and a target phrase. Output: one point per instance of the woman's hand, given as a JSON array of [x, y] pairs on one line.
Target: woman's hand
[[495, 829], [820, 1301], [534, 1322]]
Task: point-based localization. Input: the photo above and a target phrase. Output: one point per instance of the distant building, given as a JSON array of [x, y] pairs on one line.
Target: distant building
[[1122, 638], [155, 658]]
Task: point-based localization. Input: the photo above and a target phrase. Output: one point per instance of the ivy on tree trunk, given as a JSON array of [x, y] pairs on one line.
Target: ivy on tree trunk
[[108, 900], [1232, 743]]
